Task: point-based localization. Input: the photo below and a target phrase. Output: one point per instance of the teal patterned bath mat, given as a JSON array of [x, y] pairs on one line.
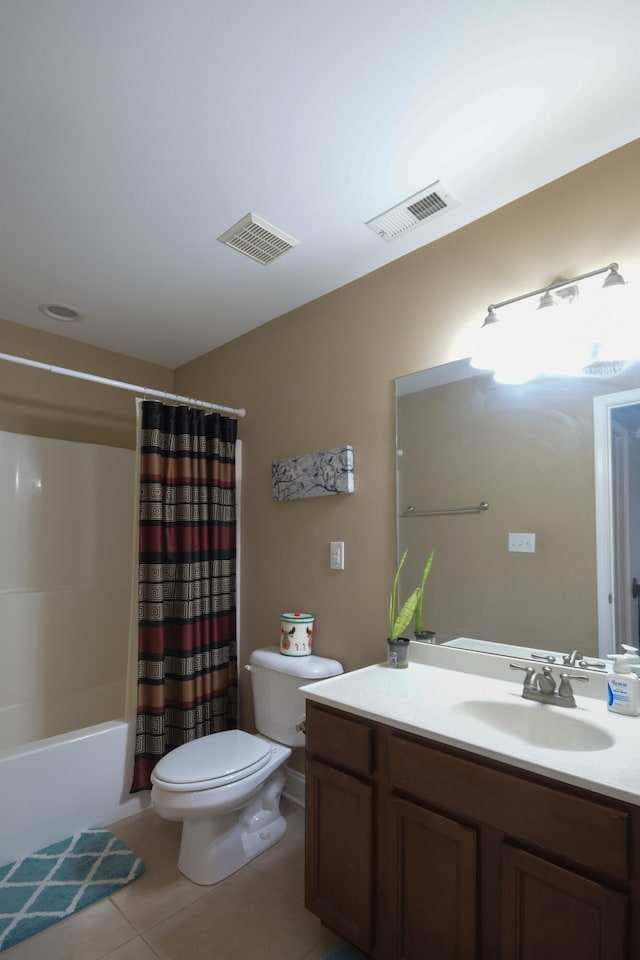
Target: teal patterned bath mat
[[56, 882]]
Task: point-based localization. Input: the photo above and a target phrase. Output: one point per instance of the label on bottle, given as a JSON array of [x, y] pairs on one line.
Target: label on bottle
[[621, 696]]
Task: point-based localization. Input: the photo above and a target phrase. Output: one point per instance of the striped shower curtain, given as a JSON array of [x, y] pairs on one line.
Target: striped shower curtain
[[187, 659]]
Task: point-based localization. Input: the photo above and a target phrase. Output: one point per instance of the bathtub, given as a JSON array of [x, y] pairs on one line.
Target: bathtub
[[53, 788]]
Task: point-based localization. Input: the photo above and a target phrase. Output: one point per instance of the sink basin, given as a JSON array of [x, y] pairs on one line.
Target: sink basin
[[539, 725]]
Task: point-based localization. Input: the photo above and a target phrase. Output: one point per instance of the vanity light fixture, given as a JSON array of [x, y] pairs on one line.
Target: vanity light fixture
[[559, 341], [613, 279]]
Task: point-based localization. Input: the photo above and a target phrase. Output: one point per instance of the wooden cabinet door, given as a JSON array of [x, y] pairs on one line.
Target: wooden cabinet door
[[339, 852], [432, 874], [556, 914]]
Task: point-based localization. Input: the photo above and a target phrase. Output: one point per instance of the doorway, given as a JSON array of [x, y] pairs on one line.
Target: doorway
[[617, 493]]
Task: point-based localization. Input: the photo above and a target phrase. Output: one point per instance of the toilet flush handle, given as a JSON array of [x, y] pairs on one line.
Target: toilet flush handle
[[301, 725], [250, 667]]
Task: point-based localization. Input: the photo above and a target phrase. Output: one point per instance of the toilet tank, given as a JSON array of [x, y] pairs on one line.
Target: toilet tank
[[275, 681]]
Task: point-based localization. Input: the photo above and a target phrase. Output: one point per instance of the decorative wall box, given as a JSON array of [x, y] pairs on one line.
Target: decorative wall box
[[313, 475]]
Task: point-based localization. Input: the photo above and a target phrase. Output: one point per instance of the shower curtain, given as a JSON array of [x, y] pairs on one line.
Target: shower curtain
[[187, 658]]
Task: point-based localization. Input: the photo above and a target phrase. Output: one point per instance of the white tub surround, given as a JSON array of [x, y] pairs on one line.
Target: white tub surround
[[65, 585]]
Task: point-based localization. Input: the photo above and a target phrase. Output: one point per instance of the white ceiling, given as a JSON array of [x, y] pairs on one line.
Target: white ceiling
[[134, 132]]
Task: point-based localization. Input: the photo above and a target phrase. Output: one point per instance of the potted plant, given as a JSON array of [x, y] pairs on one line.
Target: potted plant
[[426, 636], [398, 645]]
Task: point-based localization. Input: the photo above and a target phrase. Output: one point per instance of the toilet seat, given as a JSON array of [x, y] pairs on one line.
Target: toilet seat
[[212, 761]]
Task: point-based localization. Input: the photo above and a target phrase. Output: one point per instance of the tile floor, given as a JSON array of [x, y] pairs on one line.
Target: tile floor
[[256, 914]]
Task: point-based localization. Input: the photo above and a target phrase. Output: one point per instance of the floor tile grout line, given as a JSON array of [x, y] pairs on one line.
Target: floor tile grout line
[[151, 947], [205, 891], [120, 945], [249, 868]]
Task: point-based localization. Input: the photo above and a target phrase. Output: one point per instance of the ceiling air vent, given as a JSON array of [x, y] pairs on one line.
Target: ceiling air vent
[[258, 239], [411, 213]]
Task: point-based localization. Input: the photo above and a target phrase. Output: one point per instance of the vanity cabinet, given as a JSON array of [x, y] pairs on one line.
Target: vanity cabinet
[[340, 812], [416, 850]]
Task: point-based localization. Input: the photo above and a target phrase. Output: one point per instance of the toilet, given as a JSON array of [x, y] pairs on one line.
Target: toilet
[[226, 787]]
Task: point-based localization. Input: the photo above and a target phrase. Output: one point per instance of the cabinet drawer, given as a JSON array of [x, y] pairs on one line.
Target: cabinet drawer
[[567, 826], [343, 741]]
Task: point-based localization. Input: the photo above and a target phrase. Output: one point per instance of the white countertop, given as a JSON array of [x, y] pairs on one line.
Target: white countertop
[[428, 699]]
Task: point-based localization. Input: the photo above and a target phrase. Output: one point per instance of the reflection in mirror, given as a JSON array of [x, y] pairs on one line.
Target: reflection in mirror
[[528, 452]]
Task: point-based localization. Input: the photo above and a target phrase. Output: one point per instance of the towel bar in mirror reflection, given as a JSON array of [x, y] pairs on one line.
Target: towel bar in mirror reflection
[[443, 511]]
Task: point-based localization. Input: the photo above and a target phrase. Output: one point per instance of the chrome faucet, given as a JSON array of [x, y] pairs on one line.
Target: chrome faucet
[[541, 686], [574, 659], [577, 659], [570, 659]]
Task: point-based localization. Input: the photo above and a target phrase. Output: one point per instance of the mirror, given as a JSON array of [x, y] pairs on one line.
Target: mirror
[[527, 451]]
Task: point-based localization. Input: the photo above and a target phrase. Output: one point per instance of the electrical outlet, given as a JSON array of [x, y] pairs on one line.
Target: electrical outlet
[[522, 543]]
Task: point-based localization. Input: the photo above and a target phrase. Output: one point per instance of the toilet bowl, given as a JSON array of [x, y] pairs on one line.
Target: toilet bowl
[[226, 787], [205, 784]]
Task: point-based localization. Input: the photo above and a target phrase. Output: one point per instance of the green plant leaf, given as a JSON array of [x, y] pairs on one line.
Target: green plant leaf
[[394, 592], [404, 617], [425, 574]]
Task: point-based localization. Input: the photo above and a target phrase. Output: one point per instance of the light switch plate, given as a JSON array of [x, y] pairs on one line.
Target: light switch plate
[[522, 543], [336, 555]]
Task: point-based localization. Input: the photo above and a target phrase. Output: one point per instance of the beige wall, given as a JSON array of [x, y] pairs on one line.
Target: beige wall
[[322, 376], [44, 404]]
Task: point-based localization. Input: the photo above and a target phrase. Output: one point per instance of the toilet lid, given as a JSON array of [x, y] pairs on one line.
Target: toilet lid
[[213, 760]]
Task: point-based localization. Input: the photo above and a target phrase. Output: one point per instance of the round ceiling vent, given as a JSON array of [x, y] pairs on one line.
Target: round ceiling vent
[[58, 311]]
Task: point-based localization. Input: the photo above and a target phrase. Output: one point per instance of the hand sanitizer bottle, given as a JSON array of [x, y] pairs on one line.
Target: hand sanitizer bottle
[[623, 687]]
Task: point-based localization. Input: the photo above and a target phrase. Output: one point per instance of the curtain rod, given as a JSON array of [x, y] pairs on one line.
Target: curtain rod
[[160, 394]]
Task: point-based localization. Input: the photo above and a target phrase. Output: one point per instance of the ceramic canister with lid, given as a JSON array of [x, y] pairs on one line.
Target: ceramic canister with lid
[[296, 632]]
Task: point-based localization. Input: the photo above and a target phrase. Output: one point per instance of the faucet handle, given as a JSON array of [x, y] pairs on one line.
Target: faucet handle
[[529, 682], [565, 689], [591, 665]]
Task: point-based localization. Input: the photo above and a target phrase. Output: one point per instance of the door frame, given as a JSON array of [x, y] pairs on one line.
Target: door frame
[[608, 515]]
